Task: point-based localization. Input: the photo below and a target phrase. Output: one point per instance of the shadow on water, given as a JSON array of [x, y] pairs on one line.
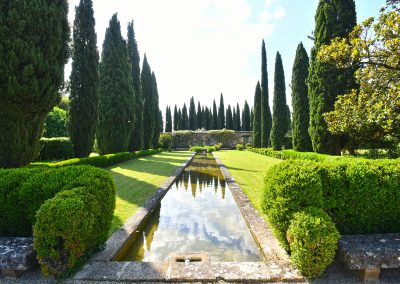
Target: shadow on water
[[197, 215]]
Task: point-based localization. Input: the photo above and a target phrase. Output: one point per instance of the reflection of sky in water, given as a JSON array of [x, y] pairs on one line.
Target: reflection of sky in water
[[197, 215]]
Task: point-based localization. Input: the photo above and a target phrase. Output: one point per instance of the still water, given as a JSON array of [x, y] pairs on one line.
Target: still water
[[198, 214]]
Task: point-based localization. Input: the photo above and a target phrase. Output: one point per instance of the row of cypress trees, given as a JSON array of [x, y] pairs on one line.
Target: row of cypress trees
[[208, 118], [110, 100]]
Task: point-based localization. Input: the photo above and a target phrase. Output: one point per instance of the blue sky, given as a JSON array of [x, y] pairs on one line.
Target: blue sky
[[201, 48]]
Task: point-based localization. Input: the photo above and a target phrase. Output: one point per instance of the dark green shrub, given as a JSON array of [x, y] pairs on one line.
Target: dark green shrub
[[313, 240], [292, 154], [289, 187], [248, 146], [218, 146], [201, 149], [239, 147], [165, 141], [55, 123], [56, 148]]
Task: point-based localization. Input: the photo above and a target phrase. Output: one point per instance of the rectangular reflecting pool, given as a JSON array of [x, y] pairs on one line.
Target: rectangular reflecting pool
[[198, 214]]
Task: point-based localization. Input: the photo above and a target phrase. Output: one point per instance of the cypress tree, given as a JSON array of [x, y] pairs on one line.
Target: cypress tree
[[180, 119], [229, 118], [176, 119], [257, 117], [234, 118], [221, 113], [199, 116], [334, 18], [157, 114], [185, 118], [136, 139], [115, 91], [161, 124], [301, 111], [148, 105], [210, 119], [215, 116], [251, 118], [246, 117], [84, 99], [33, 52], [279, 118], [168, 120], [207, 121], [266, 119], [239, 124], [192, 115]]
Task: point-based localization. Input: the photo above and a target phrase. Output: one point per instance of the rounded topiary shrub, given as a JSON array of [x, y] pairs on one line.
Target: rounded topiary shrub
[[289, 187], [239, 147], [313, 240]]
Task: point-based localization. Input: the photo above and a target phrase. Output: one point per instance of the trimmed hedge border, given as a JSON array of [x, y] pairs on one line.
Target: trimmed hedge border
[[292, 154], [101, 161], [56, 148]]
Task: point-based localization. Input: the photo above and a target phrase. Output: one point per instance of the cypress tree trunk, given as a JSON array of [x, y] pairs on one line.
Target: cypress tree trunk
[[221, 113], [279, 118], [229, 118], [116, 93], [301, 111], [157, 114], [192, 115], [168, 120], [185, 118], [34, 39], [257, 117], [215, 116], [176, 119], [334, 18], [84, 99], [136, 139], [239, 124], [266, 119], [246, 117], [148, 105]]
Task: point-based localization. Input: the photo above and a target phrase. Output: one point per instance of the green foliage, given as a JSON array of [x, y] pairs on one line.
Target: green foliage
[[182, 138], [325, 82], [165, 141], [116, 93], [218, 146], [248, 146], [222, 136], [192, 115], [84, 78], [237, 122], [239, 147], [136, 138], [266, 117], [214, 116], [34, 49], [246, 117], [148, 104], [55, 123], [221, 113], [102, 161], [168, 119], [313, 240], [200, 116], [56, 148], [64, 104], [176, 119], [300, 104], [292, 154], [257, 117], [185, 118], [372, 113], [229, 118], [202, 149], [157, 116]]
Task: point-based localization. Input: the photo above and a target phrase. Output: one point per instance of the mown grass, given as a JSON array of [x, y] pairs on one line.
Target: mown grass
[[136, 180], [248, 169]]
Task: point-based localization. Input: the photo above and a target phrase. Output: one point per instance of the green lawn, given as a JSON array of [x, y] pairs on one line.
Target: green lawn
[[248, 169], [136, 180]]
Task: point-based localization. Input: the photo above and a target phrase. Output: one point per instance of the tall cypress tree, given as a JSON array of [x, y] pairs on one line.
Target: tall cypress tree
[[266, 119], [161, 124], [185, 118], [229, 118], [34, 49], [157, 114], [221, 113], [257, 117], [176, 119], [180, 120], [207, 121], [136, 139], [168, 120], [335, 18], [192, 115], [239, 124], [234, 118], [279, 118], [251, 118], [246, 117], [116, 92], [84, 78], [199, 116], [301, 110], [215, 116], [148, 105]]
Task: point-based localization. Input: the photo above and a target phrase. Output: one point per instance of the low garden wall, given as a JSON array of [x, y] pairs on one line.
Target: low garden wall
[[228, 138]]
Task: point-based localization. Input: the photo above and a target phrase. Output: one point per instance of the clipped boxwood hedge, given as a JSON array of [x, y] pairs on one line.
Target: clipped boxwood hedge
[[56, 148], [292, 154], [70, 209]]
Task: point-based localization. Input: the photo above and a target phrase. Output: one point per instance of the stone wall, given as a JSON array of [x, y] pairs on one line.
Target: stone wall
[[205, 139]]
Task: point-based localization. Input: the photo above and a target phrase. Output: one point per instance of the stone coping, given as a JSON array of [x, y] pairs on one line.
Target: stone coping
[[276, 268]]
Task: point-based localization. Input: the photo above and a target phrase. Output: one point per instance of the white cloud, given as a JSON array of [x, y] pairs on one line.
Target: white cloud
[[196, 48]]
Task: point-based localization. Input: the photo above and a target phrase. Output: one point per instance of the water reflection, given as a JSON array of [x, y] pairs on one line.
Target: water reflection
[[197, 215]]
